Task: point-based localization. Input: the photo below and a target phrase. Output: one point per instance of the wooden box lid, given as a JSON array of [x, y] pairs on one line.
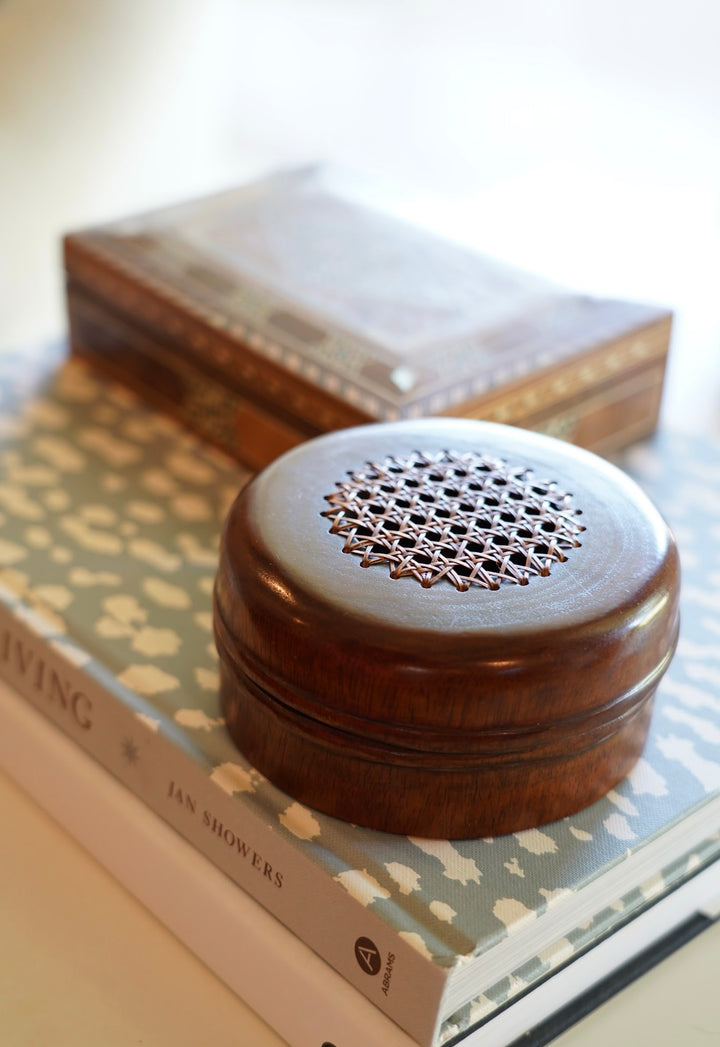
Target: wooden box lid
[[443, 627], [299, 304]]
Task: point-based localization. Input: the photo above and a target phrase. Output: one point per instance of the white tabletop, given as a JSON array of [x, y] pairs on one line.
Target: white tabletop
[[583, 144], [83, 963]]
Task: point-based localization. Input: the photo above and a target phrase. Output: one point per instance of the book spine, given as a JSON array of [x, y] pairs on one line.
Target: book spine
[[296, 992], [315, 1005], [126, 738]]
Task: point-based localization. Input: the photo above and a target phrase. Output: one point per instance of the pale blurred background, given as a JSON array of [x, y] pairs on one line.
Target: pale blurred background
[[580, 139]]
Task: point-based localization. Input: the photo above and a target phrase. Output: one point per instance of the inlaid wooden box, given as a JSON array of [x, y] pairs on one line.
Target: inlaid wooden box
[[446, 628], [270, 314]]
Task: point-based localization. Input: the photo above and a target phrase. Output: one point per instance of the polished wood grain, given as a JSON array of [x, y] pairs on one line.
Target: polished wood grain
[[258, 348], [426, 709]]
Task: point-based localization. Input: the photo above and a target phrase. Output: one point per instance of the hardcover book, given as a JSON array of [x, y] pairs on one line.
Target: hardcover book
[[268, 314], [303, 999], [111, 516]]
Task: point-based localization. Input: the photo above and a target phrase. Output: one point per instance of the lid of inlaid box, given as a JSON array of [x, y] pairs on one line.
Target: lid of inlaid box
[[325, 307]]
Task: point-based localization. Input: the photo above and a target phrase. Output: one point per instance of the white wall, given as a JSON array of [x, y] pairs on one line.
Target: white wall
[[580, 138]]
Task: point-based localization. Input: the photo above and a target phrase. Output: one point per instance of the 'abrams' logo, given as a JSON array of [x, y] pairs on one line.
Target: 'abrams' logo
[[367, 955]]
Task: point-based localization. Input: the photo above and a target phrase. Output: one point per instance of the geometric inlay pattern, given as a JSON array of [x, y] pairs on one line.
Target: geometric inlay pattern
[[466, 519]]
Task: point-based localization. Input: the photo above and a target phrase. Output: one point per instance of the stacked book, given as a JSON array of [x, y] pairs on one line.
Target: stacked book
[[111, 516]]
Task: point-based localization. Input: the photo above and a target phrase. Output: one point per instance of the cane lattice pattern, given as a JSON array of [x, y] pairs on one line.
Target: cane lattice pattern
[[467, 519]]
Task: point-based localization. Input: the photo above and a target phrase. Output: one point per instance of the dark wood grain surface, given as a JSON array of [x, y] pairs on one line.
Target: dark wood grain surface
[[428, 708]]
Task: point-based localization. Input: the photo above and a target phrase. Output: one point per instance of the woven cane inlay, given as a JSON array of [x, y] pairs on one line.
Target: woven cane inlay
[[465, 518]]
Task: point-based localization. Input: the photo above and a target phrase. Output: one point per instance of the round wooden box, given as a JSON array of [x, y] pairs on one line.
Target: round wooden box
[[445, 628]]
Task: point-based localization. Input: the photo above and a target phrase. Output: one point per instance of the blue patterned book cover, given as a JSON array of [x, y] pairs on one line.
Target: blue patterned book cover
[[109, 526]]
